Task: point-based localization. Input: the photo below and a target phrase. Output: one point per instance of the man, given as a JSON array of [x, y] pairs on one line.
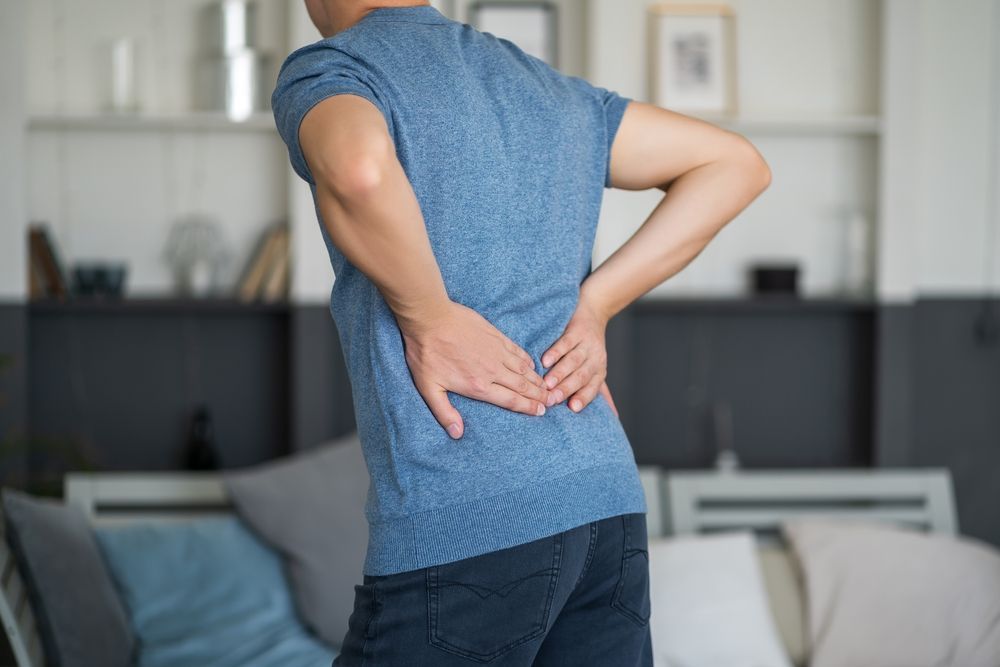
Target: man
[[458, 183]]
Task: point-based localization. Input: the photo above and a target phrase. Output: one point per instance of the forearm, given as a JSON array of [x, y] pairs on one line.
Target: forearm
[[379, 228], [696, 206]]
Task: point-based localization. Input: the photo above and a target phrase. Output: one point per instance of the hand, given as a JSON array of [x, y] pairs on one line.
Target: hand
[[578, 359], [457, 349]]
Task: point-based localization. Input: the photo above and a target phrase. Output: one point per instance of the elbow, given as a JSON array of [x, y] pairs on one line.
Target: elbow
[[752, 164], [763, 174]]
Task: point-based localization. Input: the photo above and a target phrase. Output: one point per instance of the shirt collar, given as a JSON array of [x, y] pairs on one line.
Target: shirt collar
[[407, 13]]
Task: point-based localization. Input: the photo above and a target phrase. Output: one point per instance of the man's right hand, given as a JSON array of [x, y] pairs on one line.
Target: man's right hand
[[456, 349]]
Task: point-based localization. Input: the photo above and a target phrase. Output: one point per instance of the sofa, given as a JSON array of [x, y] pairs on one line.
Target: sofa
[[747, 568]]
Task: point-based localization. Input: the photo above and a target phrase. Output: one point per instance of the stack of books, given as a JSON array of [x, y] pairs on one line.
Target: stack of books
[[266, 277]]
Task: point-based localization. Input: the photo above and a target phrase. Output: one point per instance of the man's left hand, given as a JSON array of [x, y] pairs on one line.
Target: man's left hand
[[577, 361]]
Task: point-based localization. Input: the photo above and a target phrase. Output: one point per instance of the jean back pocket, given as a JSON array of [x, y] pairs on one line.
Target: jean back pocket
[[631, 596], [484, 606]]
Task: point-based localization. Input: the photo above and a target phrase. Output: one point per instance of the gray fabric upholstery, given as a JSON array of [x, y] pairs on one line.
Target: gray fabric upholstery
[[310, 508], [884, 595], [82, 621]]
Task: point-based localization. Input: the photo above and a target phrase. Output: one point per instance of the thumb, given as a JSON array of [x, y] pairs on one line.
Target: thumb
[[444, 412]]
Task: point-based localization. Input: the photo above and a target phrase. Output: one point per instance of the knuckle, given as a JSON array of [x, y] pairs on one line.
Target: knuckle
[[477, 384]]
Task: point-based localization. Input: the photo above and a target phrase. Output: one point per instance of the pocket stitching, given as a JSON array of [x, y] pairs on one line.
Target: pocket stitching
[[627, 554], [433, 585]]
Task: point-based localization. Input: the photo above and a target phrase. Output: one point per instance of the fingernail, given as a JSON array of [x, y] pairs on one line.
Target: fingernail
[[558, 395], [541, 410], [454, 430], [550, 381], [575, 404], [545, 362], [551, 400]]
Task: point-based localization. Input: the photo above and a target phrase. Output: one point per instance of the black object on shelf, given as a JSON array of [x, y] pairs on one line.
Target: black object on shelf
[[200, 452], [105, 279], [775, 279]]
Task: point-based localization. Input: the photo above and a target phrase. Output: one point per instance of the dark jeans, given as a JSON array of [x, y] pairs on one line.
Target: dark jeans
[[580, 597]]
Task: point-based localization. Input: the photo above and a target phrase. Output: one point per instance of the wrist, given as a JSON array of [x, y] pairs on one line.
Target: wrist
[[591, 299], [416, 318]]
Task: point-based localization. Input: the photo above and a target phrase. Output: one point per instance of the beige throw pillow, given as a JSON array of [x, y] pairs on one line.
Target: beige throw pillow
[[891, 597]]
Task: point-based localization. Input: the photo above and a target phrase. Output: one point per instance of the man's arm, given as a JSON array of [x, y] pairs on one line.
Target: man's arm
[[709, 175], [373, 217]]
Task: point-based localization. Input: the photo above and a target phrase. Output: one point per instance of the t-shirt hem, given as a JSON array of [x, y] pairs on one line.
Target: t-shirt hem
[[517, 516]]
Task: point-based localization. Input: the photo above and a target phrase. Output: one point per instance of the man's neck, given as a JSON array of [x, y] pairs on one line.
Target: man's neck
[[345, 13]]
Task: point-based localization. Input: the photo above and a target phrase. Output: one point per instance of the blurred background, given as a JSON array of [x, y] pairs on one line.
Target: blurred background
[[164, 287]]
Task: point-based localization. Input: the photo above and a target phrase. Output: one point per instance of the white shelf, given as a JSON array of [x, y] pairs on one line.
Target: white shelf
[[798, 124], [191, 121], [264, 122]]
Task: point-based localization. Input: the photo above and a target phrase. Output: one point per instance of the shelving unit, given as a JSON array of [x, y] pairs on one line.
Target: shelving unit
[[801, 124], [193, 121], [152, 305]]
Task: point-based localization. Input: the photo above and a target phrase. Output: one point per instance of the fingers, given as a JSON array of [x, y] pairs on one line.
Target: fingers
[[586, 394], [510, 399], [558, 349], [517, 364], [566, 366], [575, 382], [518, 351], [444, 412], [520, 384]]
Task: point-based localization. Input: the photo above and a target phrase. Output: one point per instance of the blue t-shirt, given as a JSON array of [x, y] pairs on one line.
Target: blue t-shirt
[[509, 160]]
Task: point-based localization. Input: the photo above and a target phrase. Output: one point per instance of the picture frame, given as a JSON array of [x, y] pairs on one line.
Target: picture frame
[[692, 58], [533, 26]]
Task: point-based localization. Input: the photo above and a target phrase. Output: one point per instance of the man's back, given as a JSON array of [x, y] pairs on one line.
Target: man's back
[[508, 160]]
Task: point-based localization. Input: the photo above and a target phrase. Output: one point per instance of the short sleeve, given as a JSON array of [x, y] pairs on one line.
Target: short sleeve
[[308, 76], [612, 107], [611, 104]]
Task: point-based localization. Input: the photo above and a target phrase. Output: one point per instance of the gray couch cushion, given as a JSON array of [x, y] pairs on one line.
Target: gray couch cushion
[[81, 619], [879, 594], [310, 508]]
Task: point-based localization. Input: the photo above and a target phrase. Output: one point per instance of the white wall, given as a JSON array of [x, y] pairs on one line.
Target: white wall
[[958, 123], [312, 275], [13, 246]]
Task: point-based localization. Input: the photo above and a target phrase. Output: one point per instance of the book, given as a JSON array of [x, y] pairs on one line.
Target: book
[[276, 284], [46, 277], [261, 262]]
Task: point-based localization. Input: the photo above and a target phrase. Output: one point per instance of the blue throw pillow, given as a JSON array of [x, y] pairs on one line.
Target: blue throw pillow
[[207, 593]]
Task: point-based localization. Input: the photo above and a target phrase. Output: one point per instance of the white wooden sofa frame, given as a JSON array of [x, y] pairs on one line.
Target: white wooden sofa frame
[[677, 503]]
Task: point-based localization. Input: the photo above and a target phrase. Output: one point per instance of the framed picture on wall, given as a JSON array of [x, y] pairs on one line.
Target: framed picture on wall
[[530, 25], [692, 58]]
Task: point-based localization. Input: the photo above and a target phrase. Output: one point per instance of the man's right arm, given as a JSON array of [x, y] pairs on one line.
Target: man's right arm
[[373, 217]]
